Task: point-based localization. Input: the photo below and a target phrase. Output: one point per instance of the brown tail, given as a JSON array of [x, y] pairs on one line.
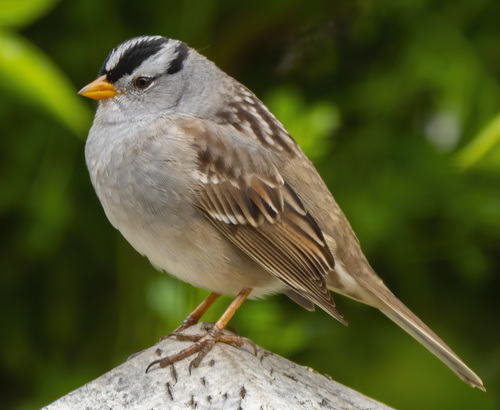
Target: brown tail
[[409, 322], [369, 288], [361, 283]]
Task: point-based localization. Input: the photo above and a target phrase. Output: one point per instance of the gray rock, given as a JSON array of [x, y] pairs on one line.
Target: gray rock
[[229, 377]]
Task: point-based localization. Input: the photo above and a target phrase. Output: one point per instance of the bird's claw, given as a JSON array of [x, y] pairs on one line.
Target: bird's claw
[[202, 343]]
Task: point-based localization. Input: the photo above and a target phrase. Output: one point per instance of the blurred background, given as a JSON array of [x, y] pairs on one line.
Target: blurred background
[[398, 105]]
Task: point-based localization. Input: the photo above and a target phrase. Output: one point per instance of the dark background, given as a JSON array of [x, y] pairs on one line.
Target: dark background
[[396, 102]]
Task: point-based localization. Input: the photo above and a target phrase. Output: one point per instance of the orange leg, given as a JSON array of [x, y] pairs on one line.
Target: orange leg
[[204, 343], [196, 314]]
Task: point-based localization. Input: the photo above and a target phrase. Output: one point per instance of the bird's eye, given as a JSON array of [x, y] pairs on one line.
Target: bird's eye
[[143, 82]]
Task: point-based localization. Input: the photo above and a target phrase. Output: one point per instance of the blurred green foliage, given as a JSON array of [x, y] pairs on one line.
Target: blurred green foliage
[[396, 102]]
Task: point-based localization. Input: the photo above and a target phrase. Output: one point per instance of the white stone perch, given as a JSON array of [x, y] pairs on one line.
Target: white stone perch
[[229, 377]]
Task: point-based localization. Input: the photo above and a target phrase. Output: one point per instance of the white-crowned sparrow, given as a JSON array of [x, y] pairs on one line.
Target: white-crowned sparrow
[[201, 178]]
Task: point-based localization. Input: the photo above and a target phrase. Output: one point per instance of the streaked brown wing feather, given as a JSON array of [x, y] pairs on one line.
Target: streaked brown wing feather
[[245, 197]]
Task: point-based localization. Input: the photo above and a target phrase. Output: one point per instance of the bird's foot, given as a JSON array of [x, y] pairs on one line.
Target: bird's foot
[[202, 344], [186, 324]]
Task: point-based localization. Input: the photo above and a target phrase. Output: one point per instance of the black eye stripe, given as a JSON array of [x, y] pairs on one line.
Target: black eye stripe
[[133, 58], [182, 53]]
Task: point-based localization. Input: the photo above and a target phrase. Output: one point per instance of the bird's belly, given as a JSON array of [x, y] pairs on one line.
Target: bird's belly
[[149, 201], [190, 248]]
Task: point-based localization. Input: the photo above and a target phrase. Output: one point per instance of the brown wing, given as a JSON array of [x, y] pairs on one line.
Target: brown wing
[[242, 193]]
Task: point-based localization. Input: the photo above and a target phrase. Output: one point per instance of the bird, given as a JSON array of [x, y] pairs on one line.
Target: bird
[[202, 179]]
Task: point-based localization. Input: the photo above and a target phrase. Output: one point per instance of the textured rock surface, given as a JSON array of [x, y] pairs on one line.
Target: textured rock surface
[[228, 378]]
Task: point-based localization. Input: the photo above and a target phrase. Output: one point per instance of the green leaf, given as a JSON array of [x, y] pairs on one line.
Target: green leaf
[[487, 142], [29, 74], [15, 13]]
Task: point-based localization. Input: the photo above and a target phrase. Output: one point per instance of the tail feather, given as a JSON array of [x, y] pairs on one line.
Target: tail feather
[[367, 287], [410, 323]]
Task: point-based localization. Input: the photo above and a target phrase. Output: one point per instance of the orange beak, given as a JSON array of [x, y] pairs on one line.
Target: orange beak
[[99, 89]]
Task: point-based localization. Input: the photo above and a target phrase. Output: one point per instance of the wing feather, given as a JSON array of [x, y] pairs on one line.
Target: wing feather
[[243, 194]]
